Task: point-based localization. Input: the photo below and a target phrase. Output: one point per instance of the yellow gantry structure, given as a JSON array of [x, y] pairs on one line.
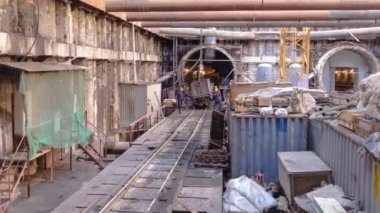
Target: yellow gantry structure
[[294, 48]]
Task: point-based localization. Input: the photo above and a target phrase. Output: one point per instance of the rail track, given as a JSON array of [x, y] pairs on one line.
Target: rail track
[[142, 191]]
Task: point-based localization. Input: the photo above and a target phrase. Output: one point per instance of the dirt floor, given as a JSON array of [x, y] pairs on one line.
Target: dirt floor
[[45, 195]]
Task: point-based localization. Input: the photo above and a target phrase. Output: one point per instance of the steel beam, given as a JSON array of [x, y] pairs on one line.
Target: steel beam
[[206, 24], [368, 32], [212, 5], [283, 15]]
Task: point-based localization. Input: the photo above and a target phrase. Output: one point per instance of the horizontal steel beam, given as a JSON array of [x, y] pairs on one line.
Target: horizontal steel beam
[[270, 35], [212, 5], [283, 15], [205, 24], [185, 32]]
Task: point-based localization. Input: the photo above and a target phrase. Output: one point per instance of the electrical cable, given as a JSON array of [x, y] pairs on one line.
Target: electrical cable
[[36, 32]]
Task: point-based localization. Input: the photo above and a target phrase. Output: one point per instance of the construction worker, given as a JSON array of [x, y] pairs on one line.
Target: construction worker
[[217, 97], [180, 98], [188, 98]]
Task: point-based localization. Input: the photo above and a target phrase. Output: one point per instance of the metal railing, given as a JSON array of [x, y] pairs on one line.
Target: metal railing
[[99, 134], [6, 172], [143, 120]]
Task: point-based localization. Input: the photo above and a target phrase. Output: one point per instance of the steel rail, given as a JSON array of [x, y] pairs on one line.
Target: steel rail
[[118, 196]]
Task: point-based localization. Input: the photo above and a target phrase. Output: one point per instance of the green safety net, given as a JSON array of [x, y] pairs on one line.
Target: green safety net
[[54, 109]]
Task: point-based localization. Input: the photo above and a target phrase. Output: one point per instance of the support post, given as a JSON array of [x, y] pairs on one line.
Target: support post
[[71, 158], [130, 136], [28, 165], [52, 166], [134, 53]]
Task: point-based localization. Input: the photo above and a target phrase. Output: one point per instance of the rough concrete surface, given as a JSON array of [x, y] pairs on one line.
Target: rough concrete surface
[[45, 195]]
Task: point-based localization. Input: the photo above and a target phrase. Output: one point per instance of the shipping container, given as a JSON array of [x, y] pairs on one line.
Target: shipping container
[[254, 141], [137, 100], [339, 149]]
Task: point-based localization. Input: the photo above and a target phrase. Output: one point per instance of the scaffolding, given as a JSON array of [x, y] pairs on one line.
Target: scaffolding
[[294, 49]]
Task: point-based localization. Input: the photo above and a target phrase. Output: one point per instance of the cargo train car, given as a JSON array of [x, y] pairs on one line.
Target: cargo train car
[[201, 92]]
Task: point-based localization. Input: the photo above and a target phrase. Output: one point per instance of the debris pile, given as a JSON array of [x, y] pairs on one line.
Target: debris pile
[[170, 106], [369, 95], [268, 100], [253, 194], [245, 195], [359, 116], [305, 202], [372, 145], [211, 158]]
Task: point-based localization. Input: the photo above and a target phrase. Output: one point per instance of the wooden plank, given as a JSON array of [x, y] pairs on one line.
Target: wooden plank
[[348, 119], [366, 127]]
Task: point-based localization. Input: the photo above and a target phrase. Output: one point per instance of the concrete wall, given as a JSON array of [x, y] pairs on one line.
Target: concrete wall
[[80, 33], [267, 51], [344, 58]]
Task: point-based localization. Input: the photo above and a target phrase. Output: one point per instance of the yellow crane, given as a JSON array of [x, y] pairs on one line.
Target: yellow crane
[[294, 49]]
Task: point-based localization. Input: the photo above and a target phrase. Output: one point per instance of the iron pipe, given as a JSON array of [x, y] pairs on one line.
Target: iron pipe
[[205, 24], [212, 5], [284, 15], [270, 35]]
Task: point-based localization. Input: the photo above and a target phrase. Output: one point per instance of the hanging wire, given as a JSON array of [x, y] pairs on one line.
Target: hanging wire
[[37, 23]]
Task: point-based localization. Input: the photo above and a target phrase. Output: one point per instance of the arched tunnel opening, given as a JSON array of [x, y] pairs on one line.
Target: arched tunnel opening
[[217, 66]]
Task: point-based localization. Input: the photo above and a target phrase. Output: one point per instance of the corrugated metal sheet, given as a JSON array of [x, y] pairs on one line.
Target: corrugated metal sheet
[[338, 148], [254, 141], [133, 102], [137, 100]]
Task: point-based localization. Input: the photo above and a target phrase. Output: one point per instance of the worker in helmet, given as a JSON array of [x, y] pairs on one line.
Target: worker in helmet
[[217, 97], [188, 98], [180, 98]]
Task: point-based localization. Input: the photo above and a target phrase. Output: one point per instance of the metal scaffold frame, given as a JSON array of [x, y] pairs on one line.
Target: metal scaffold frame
[[294, 48]]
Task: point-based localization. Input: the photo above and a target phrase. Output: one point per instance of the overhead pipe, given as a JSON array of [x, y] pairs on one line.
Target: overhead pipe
[[344, 33], [216, 33], [270, 35], [283, 15], [205, 24], [213, 5]]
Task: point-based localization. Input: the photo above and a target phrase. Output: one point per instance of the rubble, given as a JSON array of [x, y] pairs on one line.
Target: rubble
[[320, 204], [328, 191], [372, 145], [369, 95], [243, 189], [212, 158]]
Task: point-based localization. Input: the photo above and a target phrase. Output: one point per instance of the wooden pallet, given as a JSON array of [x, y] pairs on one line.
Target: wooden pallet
[[348, 119], [365, 127]]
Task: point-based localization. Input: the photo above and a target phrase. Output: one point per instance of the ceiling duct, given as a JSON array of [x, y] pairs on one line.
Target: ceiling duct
[[210, 40]]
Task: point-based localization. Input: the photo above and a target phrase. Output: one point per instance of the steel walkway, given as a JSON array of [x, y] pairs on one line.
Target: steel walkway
[[150, 175]]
